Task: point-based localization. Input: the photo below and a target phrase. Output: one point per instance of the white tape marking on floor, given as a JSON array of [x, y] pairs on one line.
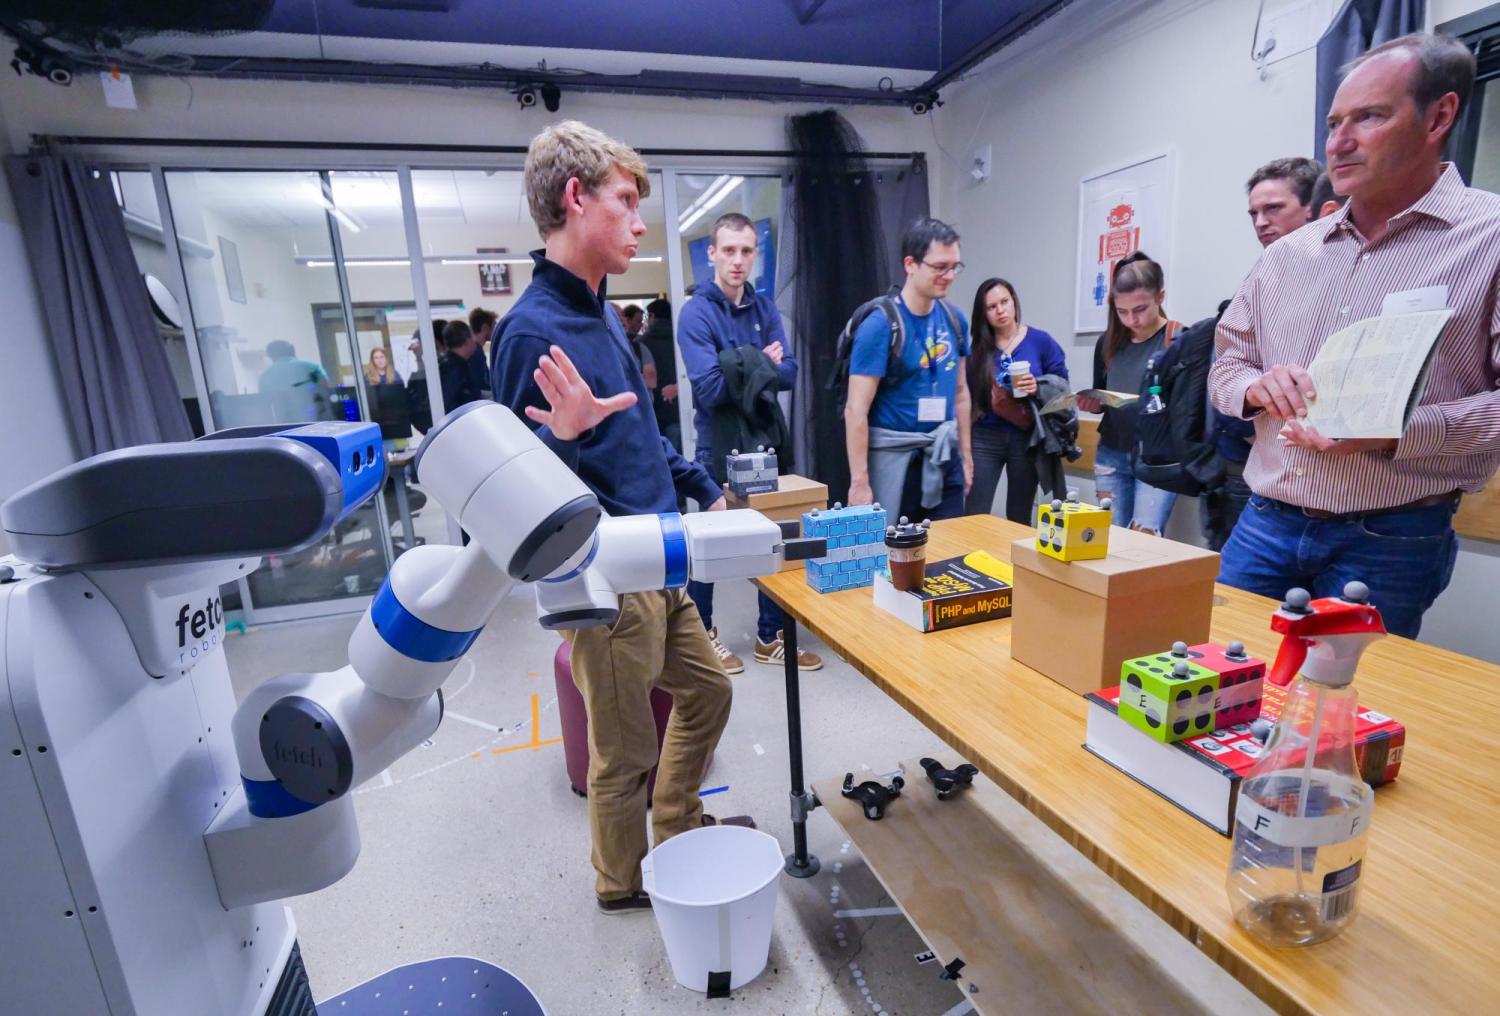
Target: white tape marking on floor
[[759, 750], [385, 777], [869, 912], [958, 1010], [493, 728]]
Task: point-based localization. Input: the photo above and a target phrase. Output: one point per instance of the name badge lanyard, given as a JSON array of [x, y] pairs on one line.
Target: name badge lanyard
[[932, 349]]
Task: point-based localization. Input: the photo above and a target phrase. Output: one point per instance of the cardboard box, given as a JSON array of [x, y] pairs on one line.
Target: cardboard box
[[794, 495], [1078, 621]]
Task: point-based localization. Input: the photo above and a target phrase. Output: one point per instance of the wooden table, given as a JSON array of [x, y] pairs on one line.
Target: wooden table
[[1427, 939]]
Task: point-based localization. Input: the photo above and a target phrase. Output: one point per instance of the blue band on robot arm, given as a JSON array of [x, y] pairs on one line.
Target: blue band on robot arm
[[674, 548], [269, 799], [412, 637]]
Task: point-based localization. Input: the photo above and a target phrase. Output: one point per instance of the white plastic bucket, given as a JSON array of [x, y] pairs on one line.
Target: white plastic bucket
[[713, 891]]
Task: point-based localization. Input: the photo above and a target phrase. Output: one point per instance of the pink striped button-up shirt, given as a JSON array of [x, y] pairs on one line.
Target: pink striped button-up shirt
[[1311, 283]]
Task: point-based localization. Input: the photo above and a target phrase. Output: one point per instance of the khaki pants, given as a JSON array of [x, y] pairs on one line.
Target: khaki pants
[[659, 641]]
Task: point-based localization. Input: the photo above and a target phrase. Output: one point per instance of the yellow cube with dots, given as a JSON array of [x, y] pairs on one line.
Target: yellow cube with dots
[[1073, 530]]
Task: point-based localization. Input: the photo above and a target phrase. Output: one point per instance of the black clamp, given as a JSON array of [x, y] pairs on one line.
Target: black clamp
[[872, 796], [950, 972], [949, 781]]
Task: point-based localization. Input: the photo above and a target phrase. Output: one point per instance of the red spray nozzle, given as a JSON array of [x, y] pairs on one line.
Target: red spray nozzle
[[1305, 622]]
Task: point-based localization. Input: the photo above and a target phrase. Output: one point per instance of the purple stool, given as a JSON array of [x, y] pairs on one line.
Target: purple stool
[[575, 723]]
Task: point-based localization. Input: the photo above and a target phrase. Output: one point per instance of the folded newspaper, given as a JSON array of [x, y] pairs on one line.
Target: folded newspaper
[[1067, 400], [1370, 376]]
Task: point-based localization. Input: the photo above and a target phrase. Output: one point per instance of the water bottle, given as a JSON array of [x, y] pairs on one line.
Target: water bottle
[[1304, 812], [1153, 403]]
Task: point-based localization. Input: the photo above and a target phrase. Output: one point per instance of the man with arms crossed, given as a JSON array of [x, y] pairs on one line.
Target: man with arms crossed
[[727, 313]]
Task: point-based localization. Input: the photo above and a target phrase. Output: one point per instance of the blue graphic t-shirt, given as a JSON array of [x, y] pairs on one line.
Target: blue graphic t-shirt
[[929, 365]]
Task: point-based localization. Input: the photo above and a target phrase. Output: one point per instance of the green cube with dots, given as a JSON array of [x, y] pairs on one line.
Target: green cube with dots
[[1167, 696]]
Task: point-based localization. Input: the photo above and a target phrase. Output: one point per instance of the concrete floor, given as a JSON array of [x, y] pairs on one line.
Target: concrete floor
[[474, 850]]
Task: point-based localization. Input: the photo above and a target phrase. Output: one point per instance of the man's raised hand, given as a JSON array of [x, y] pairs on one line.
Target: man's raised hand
[[575, 408]]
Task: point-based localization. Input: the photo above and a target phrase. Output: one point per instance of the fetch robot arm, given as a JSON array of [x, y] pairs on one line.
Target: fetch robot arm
[[152, 815], [304, 740]]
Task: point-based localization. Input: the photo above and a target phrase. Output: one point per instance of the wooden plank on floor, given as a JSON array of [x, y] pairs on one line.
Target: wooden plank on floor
[[974, 891]]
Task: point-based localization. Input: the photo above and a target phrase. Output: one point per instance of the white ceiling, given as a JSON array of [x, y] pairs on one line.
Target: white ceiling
[[372, 197]]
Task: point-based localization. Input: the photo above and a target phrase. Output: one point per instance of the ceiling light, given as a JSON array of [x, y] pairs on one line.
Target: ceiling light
[[717, 191]]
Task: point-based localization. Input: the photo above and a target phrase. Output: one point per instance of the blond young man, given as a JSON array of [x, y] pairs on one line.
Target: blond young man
[[557, 346]]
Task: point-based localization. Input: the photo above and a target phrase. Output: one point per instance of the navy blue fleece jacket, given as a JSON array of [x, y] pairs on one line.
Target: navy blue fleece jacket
[[710, 324], [625, 461]]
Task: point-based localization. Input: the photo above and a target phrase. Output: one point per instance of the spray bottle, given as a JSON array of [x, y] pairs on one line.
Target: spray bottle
[[1303, 811]]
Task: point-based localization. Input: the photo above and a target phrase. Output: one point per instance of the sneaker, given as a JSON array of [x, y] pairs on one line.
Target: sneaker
[[731, 663], [775, 653], [634, 903]]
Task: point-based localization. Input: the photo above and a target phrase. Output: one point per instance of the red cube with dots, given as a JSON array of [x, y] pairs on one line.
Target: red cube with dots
[[1241, 678]]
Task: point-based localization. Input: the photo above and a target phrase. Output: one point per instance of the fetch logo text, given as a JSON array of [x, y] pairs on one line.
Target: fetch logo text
[[203, 625]]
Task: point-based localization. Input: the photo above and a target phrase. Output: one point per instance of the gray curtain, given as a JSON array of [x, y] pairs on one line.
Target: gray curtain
[[900, 193], [115, 376], [1359, 25]]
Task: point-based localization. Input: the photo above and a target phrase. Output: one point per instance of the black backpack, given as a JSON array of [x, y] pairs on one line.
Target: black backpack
[[1173, 451], [838, 383]]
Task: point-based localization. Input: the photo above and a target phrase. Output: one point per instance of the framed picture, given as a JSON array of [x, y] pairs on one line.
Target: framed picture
[[234, 282], [1120, 212], [494, 276]]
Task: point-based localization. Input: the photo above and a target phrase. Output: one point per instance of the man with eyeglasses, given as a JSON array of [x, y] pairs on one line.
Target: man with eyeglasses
[[907, 417]]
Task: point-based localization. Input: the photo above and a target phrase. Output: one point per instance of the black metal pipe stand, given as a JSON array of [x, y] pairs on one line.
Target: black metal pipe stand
[[799, 863]]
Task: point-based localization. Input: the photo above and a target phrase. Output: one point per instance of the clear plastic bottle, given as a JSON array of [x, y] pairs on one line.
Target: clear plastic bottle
[[1304, 813]]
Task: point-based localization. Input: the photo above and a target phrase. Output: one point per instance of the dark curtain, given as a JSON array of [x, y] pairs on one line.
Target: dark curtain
[[115, 376], [840, 245], [1358, 26]]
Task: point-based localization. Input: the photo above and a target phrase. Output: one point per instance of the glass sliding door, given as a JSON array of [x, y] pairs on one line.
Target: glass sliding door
[[258, 253]]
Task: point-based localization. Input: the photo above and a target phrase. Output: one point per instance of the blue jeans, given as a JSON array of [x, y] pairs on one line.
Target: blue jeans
[[771, 618], [1136, 503], [1406, 558], [950, 507]]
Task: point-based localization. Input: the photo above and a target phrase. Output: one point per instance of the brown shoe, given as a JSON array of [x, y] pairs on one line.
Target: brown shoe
[[731, 663], [743, 821], [775, 652]]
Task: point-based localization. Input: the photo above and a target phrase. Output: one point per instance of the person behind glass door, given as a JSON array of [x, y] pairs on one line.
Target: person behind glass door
[[1138, 330], [1002, 406], [378, 371]]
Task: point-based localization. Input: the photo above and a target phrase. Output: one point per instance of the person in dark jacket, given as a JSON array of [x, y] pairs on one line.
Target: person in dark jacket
[[728, 317], [562, 363], [656, 336], [456, 366]]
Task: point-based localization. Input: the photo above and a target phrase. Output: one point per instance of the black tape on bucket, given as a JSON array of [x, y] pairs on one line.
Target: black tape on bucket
[[718, 984]]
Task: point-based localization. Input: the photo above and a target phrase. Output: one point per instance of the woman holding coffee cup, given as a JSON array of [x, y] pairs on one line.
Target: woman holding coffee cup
[[1006, 360]]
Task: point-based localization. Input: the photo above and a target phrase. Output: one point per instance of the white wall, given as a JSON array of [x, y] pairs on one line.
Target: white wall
[[32, 412]]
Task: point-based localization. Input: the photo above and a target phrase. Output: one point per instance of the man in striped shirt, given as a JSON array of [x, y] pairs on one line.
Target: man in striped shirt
[[1380, 511]]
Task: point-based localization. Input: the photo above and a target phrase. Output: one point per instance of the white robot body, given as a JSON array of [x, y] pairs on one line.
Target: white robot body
[[109, 776]]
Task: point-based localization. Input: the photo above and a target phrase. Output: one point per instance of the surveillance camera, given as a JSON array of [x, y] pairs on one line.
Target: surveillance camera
[[526, 97], [925, 103], [58, 74], [551, 97]]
